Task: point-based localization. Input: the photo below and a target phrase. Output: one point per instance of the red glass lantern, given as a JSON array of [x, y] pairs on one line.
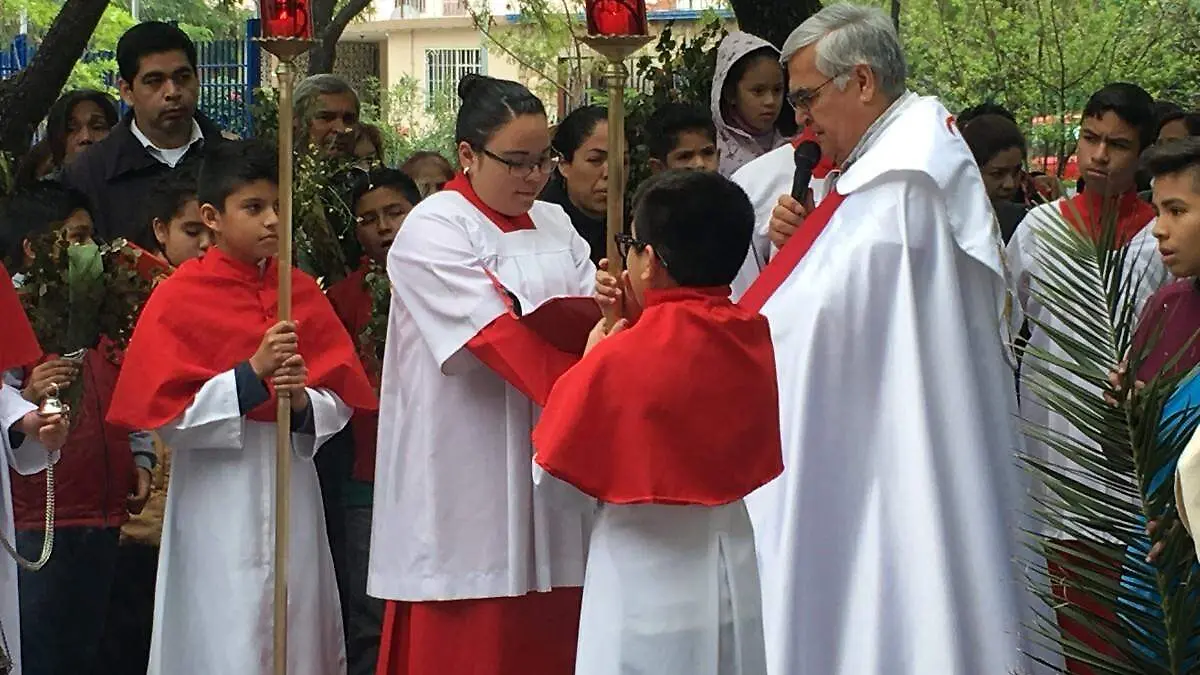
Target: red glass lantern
[[285, 19], [616, 17]]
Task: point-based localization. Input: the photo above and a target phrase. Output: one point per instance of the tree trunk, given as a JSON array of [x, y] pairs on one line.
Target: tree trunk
[[327, 29], [26, 97], [896, 15], [773, 20]]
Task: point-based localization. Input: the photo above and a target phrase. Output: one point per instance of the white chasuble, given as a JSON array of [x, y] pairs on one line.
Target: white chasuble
[[887, 545], [455, 515], [213, 604]]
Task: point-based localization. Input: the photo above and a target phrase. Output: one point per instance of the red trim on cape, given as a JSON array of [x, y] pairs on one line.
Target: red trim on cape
[[1133, 214], [462, 185], [682, 408], [18, 344], [780, 268], [825, 164], [209, 316]]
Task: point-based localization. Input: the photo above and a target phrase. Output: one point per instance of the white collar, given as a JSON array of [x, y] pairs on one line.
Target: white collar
[[162, 154]]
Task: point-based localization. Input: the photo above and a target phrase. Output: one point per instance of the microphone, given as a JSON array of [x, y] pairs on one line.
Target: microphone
[[807, 155]]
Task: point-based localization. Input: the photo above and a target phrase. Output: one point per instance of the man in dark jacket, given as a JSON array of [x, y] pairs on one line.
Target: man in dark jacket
[[157, 63]]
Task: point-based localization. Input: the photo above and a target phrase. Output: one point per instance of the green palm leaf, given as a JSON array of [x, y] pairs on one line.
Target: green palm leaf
[[1096, 505]]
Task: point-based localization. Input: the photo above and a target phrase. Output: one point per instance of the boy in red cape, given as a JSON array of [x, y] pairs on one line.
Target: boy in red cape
[[670, 423], [206, 361]]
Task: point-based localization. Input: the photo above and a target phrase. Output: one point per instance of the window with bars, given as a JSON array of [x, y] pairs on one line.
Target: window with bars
[[444, 68]]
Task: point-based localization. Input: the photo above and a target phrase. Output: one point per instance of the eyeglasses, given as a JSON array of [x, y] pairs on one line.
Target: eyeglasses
[[393, 214], [626, 243], [805, 98], [525, 168]]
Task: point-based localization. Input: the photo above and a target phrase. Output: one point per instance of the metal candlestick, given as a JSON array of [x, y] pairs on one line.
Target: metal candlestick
[[286, 50]]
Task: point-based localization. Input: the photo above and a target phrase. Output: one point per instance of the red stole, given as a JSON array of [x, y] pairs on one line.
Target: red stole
[[513, 351], [780, 268], [682, 408], [825, 164], [1086, 212], [18, 345], [209, 316]]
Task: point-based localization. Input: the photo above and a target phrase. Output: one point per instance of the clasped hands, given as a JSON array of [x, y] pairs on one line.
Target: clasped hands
[[278, 358]]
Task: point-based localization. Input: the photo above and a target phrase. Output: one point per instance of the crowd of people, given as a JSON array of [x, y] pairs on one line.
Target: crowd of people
[[780, 441]]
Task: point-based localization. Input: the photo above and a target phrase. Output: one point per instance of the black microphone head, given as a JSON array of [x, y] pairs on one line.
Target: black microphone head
[[807, 154]]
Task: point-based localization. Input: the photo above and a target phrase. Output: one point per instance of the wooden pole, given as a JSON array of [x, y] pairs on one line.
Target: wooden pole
[[283, 416]]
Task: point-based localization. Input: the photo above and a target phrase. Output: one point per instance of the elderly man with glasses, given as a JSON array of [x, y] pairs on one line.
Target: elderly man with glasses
[[887, 545]]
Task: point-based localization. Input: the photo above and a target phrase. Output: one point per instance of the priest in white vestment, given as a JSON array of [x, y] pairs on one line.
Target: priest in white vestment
[[887, 546]]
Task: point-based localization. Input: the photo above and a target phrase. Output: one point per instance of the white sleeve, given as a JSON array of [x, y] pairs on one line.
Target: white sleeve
[[29, 457], [437, 274], [1147, 273], [213, 420], [581, 255], [1019, 256], [561, 494], [330, 416]]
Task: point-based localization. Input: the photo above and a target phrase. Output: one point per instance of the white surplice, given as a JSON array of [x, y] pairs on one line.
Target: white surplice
[[670, 590], [1143, 266], [764, 180], [27, 459], [455, 513], [886, 547], [213, 603]]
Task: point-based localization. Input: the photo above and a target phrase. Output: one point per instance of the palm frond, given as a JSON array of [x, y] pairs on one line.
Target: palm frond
[[1141, 617]]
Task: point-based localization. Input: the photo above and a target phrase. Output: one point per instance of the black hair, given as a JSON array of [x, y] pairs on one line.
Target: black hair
[[699, 224], [34, 210], [738, 70], [1129, 102], [168, 195], [230, 165], [59, 117], [1172, 157], [575, 128], [1191, 121], [382, 177], [27, 172], [488, 104], [985, 108], [1165, 109], [150, 37], [989, 135], [672, 119]]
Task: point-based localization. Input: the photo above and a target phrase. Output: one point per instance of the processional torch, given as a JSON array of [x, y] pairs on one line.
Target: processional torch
[[616, 29], [286, 33]]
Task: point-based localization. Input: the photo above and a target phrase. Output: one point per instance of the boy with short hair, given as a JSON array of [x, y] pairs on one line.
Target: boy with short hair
[[204, 367], [680, 136], [669, 424], [1118, 123], [175, 231], [380, 200]]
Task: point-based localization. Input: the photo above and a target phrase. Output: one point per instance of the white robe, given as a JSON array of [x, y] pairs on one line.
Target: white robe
[[670, 590], [886, 546], [213, 606], [27, 459], [1025, 263], [765, 179], [455, 514]]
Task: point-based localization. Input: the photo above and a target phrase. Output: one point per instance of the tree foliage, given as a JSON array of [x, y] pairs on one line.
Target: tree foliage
[[1045, 57]]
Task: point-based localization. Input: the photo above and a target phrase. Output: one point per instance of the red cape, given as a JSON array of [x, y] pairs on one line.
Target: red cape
[[353, 305], [682, 408], [1085, 211], [209, 316], [18, 345]]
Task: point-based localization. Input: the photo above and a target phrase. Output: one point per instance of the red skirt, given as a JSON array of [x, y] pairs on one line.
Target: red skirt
[[533, 634]]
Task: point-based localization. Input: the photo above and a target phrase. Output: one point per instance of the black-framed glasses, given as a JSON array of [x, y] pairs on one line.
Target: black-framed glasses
[[524, 168], [804, 98], [626, 243]]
